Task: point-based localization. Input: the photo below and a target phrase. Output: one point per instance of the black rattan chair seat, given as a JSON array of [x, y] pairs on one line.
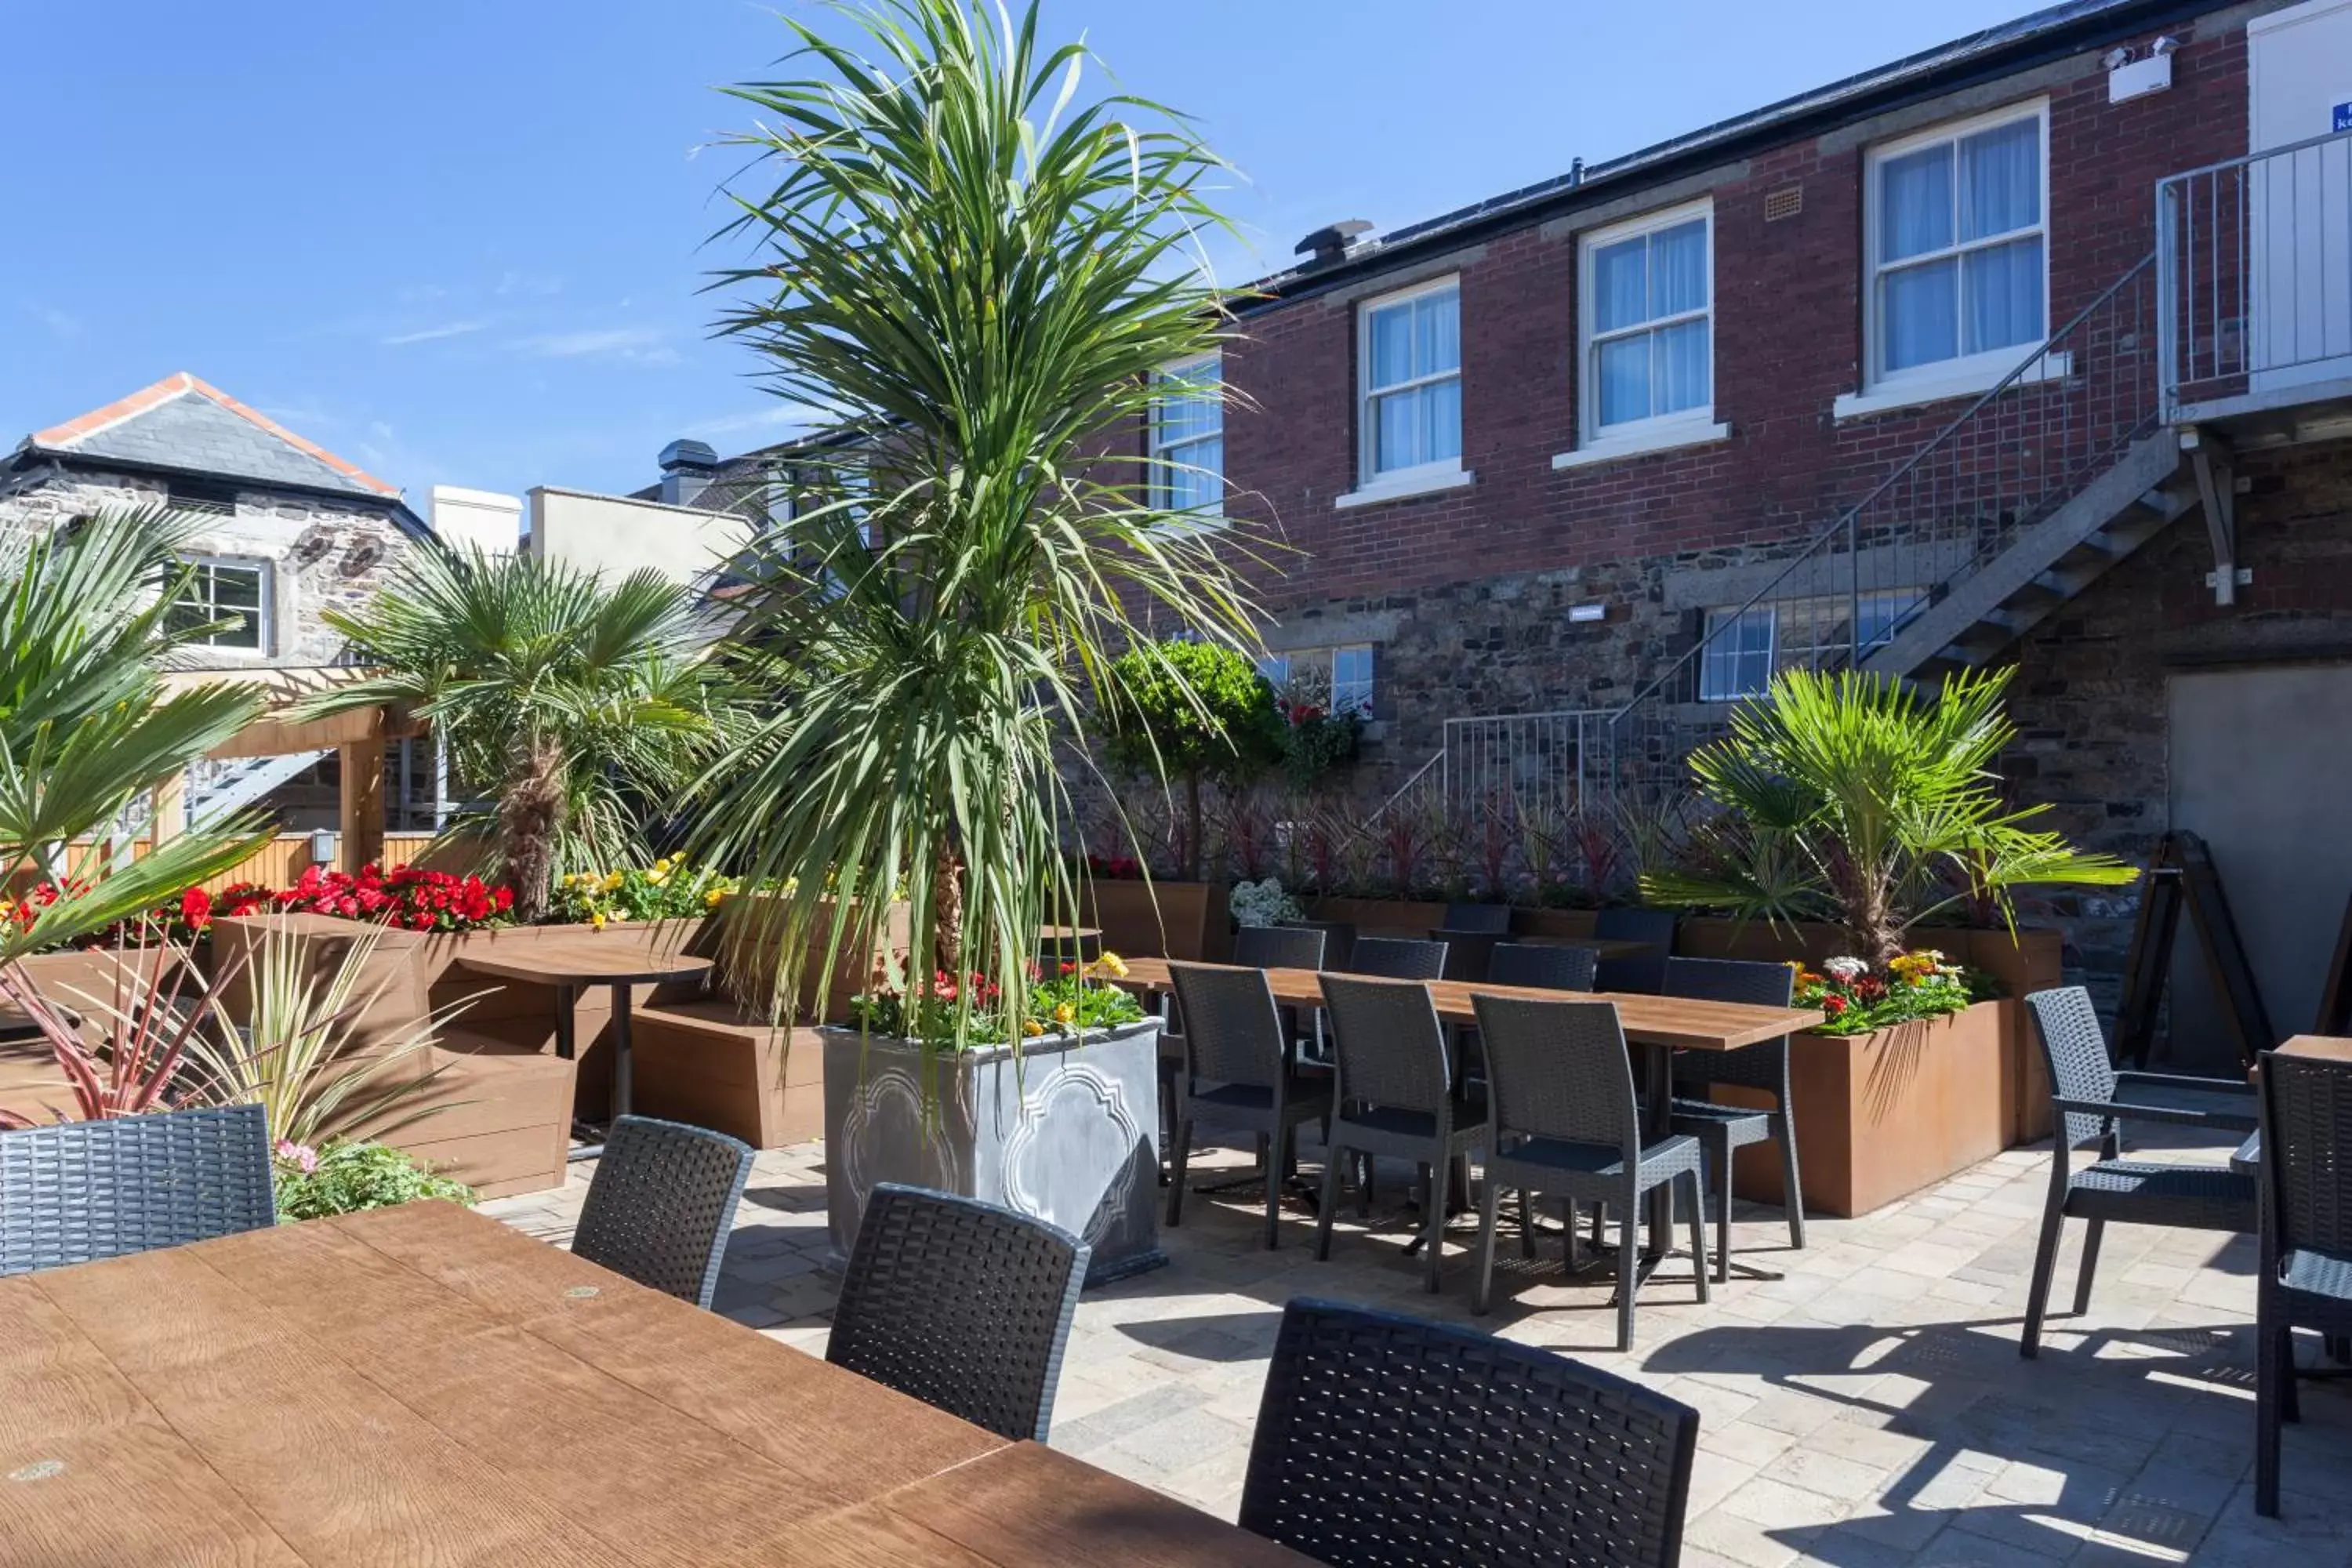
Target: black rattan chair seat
[[1469, 1119], [2192, 1197], [2317, 1274], [1259, 1098], [1552, 1157], [1740, 1123]]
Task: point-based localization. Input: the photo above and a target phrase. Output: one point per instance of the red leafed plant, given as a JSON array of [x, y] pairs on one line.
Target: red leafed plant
[[141, 1039]]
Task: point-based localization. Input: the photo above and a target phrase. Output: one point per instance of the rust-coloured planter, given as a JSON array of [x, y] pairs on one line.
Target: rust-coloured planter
[[1160, 919]]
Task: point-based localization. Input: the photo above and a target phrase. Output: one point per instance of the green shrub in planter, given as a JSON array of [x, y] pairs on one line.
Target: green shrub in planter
[[346, 1177]]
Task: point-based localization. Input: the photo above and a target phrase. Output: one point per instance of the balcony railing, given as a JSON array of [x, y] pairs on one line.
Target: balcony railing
[[2255, 273]]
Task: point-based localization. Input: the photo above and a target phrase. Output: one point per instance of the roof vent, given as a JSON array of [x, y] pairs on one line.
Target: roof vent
[[686, 467], [1326, 245]]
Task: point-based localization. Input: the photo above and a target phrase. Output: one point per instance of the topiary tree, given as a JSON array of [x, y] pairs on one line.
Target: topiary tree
[[1193, 711]]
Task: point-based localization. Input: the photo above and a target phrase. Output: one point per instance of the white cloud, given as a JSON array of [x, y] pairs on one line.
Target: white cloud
[[776, 415], [644, 345], [433, 335]]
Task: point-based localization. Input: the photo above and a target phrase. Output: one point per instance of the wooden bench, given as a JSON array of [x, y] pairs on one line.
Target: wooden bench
[[705, 1059]]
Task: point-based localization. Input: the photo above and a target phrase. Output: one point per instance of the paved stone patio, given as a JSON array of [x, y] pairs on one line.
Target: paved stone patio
[[1869, 1408]]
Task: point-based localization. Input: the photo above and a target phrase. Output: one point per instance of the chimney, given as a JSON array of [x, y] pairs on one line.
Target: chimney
[[686, 467], [1326, 245]]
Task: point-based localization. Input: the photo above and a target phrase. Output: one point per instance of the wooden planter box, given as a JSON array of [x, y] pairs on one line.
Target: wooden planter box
[[1063, 1131], [1160, 919], [1882, 1115]]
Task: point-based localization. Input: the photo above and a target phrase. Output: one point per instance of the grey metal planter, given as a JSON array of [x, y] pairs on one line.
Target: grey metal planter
[[1065, 1132]]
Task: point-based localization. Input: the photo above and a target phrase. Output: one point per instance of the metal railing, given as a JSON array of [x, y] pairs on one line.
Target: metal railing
[[2254, 272], [2022, 449], [1564, 755]]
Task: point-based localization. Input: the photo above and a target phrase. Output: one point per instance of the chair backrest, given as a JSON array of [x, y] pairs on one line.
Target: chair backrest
[[2076, 1052], [1641, 972], [1383, 1438], [2307, 1182], [1233, 1032], [661, 1204], [1338, 938], [80, 1191], [1467, 952], [1279, 947], [1558, 1069], [1494, 920], [1762, 1066], [1391, 1047], [1553, 967], [960, 1304], [1398, 958]]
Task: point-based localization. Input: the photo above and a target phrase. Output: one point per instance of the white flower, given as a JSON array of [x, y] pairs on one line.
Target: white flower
[[1846, 969], [1264, 903]]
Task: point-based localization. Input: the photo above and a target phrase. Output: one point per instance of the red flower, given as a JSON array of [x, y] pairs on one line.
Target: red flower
[[1832, 1004], [196, 909]]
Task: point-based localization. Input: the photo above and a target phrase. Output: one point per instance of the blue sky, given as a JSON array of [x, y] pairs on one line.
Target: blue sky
[[461, 241]]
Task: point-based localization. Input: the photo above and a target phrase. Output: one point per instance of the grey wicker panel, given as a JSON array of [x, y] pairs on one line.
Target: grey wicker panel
[[1488, 920], [661, 1204], [2080, 1068], [1555, 968], [1764, 1064], [1467, 952], [1398, 958], [1558, 1069], [1645, 971], [86, 1190], [1383, 1440], [1338, 939], [960, 1304], [2307, 1152], [1232, 1032], [1390, 1046], [1279, 947], [2192, 1197]]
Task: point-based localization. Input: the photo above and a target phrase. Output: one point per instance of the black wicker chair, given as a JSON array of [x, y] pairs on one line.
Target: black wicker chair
[[1238, 1073], [1637, 972], [2305, 1279], [1338, 938], [1468, 953], [960, 1304], [1395, 1098], [1554, 967], [1397, 958], [2091, 1098], [1487, 920], [1720, 1129], [661, 1204], [1383, 1440], [81, 1191], [1279, 947], [1561, 1118]]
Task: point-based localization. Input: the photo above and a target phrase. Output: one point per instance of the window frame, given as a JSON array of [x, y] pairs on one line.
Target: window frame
[[1362, 707], [1157, 449], [1986, 366], [264, 615], [1694, 424], [1368, 477], [1913, 599]]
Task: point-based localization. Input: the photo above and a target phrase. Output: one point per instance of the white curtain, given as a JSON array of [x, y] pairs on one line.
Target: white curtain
[[1914, 204]]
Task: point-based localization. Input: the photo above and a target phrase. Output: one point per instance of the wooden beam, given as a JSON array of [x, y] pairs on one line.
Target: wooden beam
[[168, 811], [283, 737], [362, 823]]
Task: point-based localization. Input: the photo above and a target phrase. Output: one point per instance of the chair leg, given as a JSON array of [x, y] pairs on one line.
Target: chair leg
[[1571, 1255], [1482, 1289], [1441, 1177], [2037, 1297], [1528, 1226], [1178, 1157], [2290, 1401], [1698, 1233], [2090, 1266], [1792, 1186], [1331, 1164], [1722, 1153], [1629, 1262], [1277, 1150], [1364, 1185], [2267, 1394]]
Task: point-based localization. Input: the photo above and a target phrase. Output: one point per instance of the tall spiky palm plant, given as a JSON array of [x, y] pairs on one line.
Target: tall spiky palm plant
[[978, 275], [88, 725], [1846, 798], [584, 703]]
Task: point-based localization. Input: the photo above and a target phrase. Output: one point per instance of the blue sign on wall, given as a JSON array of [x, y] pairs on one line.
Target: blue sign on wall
[[2344, 116]]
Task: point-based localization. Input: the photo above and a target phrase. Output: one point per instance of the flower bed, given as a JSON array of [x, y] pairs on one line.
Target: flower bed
[[1923, 983]]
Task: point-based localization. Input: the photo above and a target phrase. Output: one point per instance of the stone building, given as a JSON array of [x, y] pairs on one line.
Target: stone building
[[287, 530]]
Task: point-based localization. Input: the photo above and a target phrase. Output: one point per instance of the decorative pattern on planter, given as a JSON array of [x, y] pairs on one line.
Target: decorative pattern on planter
[[1094, 1151], [883, 1108]]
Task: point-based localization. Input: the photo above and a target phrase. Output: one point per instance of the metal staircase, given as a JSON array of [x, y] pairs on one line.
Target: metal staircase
[[218, 787]]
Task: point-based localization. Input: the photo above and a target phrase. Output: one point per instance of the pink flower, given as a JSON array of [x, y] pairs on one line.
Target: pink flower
[[300, 1155]]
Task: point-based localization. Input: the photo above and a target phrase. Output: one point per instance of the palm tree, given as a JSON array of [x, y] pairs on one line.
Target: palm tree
[[976, 275], [1845, 797], [87, 726], [582, 700]]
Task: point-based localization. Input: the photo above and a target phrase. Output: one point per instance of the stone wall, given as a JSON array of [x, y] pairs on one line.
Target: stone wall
[[321, 553]]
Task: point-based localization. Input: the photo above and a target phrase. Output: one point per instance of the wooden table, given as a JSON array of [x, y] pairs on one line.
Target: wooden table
[[2325, 1048], [1664, 1024], [423, 1384], [620, 961]]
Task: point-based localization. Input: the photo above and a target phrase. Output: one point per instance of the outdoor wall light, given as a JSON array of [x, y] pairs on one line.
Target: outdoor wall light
[[322, 846]]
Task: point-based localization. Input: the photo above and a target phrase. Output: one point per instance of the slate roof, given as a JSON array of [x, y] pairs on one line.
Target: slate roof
[[185, 423]]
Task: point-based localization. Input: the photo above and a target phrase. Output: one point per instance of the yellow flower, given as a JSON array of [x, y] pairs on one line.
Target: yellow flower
[[658, 876], [596, 922], [662, 864], [1065, 1013], [612, 882], [710, 900], [1031, 1027], [1113, 965]]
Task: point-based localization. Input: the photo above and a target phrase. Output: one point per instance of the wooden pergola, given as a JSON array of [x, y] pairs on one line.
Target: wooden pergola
[[358, 739]]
